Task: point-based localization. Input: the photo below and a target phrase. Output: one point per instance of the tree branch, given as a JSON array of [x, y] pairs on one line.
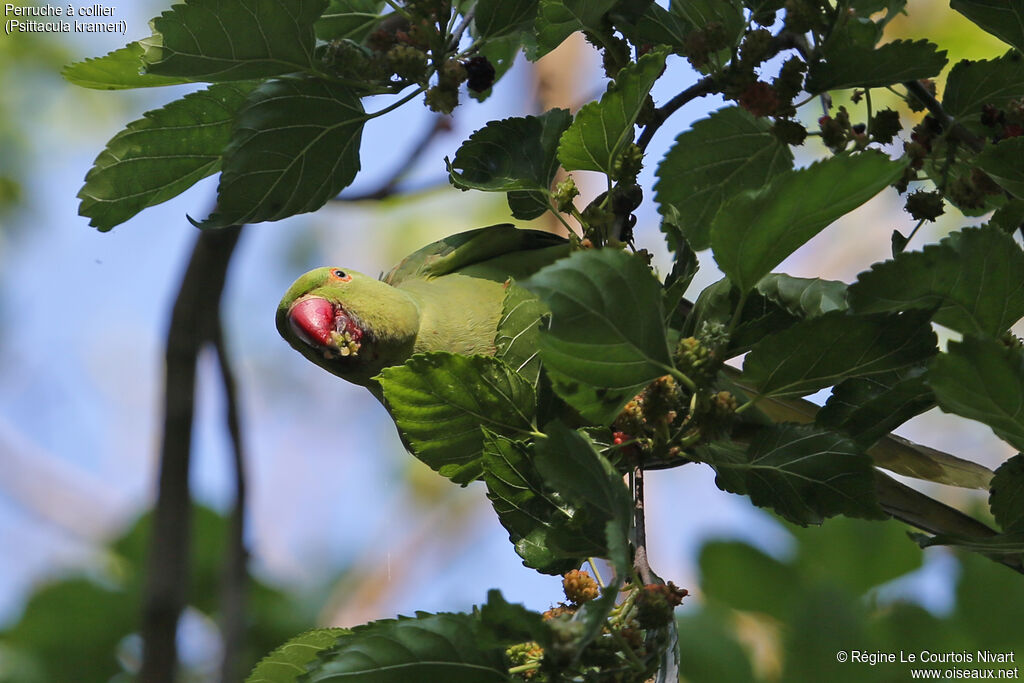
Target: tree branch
[[704, 86], [935, 108], [193, 323]]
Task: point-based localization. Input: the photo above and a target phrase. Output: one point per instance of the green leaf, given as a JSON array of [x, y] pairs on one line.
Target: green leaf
[[606, 340], [571, 464], [730, 152], [1002, 18], [528, 204], [558, 19], [161, 155], [601, 130], [510, 623], [348, 20], [1002, 162], [494, 18], [982, 379], [550, 534], [515, 155], [802, 473], [233, 40], [431, 647], [1007, 497], [819, 352], [755, 231], [975, 278], [440, 400], [854, 66], [868, 408], [656, 26], [117, 70], [803, 297], [744, 578], [519, 332], [295, 146], [291, 660], [973, 84]]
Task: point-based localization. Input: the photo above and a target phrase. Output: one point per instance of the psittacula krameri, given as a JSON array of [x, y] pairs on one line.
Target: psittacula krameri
[[447, 296]]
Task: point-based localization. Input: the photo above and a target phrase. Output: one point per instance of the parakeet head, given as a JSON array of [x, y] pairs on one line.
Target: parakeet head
[[348, 323]]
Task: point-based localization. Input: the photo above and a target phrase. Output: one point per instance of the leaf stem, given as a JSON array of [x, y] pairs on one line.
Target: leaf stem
[[395, 105], [680, 376]]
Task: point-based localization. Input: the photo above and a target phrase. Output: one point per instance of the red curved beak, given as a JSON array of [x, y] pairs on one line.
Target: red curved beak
[[312, 320]]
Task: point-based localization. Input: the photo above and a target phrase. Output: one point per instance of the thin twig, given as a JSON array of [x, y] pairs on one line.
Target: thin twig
[[235, 587], [193, 320], [467, 19], [640, 561]]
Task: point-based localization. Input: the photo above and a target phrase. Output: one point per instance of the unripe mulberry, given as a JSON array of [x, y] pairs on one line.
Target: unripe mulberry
[[759, 99], [924, 205], [579, 587]]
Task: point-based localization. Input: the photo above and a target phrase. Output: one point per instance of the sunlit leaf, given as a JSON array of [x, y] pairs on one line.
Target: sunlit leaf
[[1002, 18], [290, 661], [440, 400], [116, 70], [519, 332]]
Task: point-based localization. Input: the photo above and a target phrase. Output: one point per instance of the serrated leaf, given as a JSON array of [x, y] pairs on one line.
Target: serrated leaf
[[981, 379], [755, 231], [601, 130], [295, 146], [519, 332], [975, 278], [607, 339], [571, 464], [656, 26], [494, 18], [852, 66], [1001, 161], [551, 535], [233, 40], [117, 70], [973, 84], [510, 623], [868, 408], [558, 19], [291, 660], [721, 156], [528, 204], [515, 155], [1002, 18], [1007, 497], [431, 647], [819, 352], [161, 155], [803, 473], [440, 400], [348, 19], [1009, 217]]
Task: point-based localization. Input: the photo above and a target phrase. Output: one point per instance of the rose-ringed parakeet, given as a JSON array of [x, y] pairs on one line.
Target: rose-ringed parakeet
[[447, 296]]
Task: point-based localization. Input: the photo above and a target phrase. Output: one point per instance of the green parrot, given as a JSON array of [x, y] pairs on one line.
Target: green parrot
[[447, 296]]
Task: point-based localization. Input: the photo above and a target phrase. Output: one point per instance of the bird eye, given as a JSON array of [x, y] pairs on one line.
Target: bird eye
[[340, 274]]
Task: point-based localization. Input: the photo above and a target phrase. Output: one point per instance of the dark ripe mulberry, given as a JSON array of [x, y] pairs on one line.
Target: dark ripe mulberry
[[884, 126], [759, 99], [479, 73], [924, 205]]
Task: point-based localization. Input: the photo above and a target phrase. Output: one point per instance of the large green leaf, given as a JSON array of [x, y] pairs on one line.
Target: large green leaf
[[801, 296], [440, 400], [656, 26], [745, 578], [515, 155], [975, 278], [755, 231], [348, 19], [233, 40], [730, 152], [855, 66], [431, 647], [290, 661], [868, 408], [161, 155], [519, 332], [116, 70], [983, 379], [494, 18], [607, 339], [803, 473], [1007, 497], [973, 84], [549, 533], [819, 352], [558, 19], [295, 146], [1002, 18], [1002, 162], [601, 130]]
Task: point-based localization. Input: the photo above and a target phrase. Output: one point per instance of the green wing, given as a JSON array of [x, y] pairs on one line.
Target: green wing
[[495, 252]]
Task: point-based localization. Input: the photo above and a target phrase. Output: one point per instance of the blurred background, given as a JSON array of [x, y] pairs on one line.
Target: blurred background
[[343, 525]]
